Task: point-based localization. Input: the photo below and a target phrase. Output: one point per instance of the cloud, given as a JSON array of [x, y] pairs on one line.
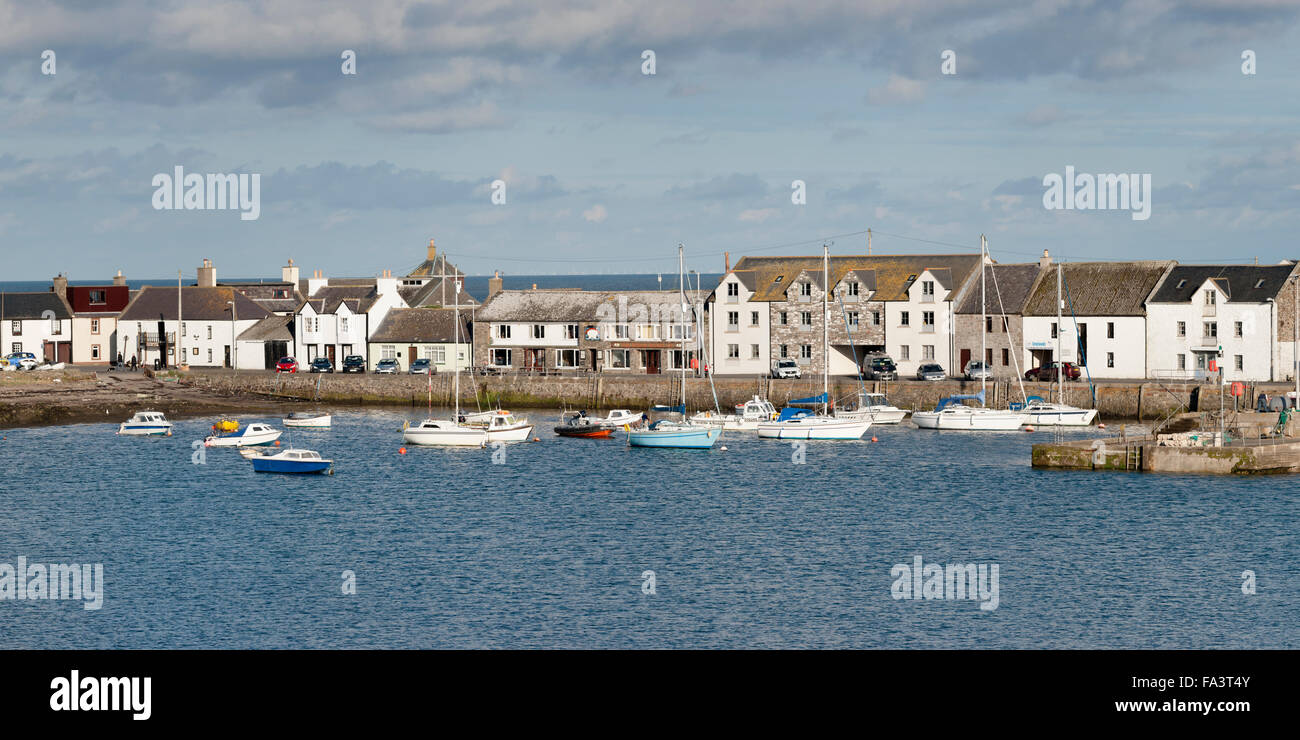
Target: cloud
[[756, 216], [898, 90], [1043, 115], [482, 116], [722, 187], [596, 214]]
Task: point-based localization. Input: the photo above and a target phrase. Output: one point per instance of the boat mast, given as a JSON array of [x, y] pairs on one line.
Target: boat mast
[[1060, 392], [681, 344], [826, 321], [984, 309], [455, 354]]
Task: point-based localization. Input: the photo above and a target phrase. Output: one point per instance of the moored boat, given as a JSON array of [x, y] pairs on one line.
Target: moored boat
[[292, 461], [952, 414], [504, 427], [804, 424], [431, 432], [308, 420], [619, 418], [873, 406], [1044, 413], [665, 433], [747, 417], [251, 435], [578, 424], [146, 424]]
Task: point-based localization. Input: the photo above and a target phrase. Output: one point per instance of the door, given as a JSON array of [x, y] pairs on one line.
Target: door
[[227, 364], [652, 361], [332, 353], [965, 360], [1083, 344], [411, 356]]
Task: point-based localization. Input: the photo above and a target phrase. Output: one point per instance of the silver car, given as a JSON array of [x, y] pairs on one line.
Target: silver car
[[931, 371], [978, 370]]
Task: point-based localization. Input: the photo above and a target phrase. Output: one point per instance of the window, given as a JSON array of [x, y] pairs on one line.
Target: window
[[209, 355], [193, 352], [100, 296], [1182, 362], [988, 357], [988, 324], [1181, 283], [16, 328], [387, 352], [1238, 362], [209, 333], [501, 357], [733, 320], [1236, 329], [1006, 325], [1209, 298], [805, 318], [1258, 284], [927, 291], [733, 351], [782, 318], [1053, 330], [426, 353], [785, 352], [646, 331], [753, 318], [927, 321], [94, 352], [733, 290], [875, 318], [503, 331], [1110, 359], [1110, 329], [343, 324], [753, 351], [855, 289], [620, 331], [904, 319], [16, 347], [853, 318], [927, 352], [1182, 328], [1211, 329], [805, 351], [438, 355], [683, 331], [539, 331], [904, 352], [805, 289], [570, 331], [1006, 357], [567, 358], [619, 358], [94, 326]]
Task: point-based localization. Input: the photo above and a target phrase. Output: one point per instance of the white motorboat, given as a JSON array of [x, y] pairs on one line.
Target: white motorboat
[[445, 432], [1048, 414], [146, 424], [249, 436], [308, 420], [504, 427], [619, 418], [291, 461], [747, 417], [876, 407]]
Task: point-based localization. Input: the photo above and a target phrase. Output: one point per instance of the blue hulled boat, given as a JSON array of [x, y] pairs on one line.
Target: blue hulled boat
[[292, 461]]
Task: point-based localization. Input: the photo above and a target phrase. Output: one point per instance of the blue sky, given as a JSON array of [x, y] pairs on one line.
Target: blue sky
[[608, 169]]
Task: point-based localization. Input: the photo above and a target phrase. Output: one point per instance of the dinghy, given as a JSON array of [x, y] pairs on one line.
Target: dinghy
[[308, 420]]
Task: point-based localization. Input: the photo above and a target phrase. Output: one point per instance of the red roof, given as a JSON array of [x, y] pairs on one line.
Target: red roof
[[114, 298]]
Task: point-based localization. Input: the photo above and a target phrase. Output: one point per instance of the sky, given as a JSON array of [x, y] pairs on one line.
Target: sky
[[606, 168]]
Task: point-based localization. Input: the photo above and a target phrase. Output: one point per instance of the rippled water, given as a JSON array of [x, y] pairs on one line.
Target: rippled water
[[548, 548]]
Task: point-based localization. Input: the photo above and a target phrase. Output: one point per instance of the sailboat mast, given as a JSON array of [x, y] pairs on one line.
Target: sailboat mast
[[1060, 392], [681, 286], [826, 321], [984, 309], [455, 355]]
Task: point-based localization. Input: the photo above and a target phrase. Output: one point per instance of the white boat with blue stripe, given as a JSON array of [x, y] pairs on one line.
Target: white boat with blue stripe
[[146, 424]]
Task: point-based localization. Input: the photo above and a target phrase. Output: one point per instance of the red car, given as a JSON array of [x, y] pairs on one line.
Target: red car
[[1048, 371], [286, 365]]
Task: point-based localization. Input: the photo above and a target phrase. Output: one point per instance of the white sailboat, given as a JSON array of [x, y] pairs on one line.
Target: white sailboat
[[801, 423], [876, 407], [447, 432], [1059, 414], [951, 413], [746, 419]]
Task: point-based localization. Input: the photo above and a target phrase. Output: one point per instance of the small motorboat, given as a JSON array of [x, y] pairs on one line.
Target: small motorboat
[[873, 406], [251, 435], [578, 424], [444, 432], [619, 418], [308, 420], [504, 427], [747, 417], [291, 461], [146, 424]]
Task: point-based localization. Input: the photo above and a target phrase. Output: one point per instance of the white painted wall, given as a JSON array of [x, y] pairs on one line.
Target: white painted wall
[[915, 334], [1128, 347], [746, 334], [1255, 345]]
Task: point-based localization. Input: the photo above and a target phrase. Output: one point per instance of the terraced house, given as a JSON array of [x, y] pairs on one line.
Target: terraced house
[[39, 323], [557, 331], [901, 305], [999, 328]]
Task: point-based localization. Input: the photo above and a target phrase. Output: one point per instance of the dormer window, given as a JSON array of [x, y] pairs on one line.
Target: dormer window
[[733, 290], [779, 278], [1259, 284], [854, 289], [1182, 283], [805, 289]]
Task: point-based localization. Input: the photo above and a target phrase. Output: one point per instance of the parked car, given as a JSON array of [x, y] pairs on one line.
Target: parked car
[[387, 367], [786, 368], [22, 360], [975, 370], [421, 366], [880, 368], [931, 371], [321, 365], [1049, 371], [286, 365], [354, 364]]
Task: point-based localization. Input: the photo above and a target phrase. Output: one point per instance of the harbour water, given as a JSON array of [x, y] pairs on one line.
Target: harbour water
[[546, 544]]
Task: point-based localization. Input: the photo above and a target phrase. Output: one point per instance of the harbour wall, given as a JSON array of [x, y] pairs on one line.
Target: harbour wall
[[1142, 401]]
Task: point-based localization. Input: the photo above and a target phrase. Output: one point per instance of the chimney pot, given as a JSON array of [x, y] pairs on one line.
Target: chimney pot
[[727, 262], [433, 251]]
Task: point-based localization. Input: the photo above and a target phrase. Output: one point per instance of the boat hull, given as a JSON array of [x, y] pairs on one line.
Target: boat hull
[[512, 434], [815, 428], [1062, 418], [244, 440], [301, 467], [316, 422], [687, 439], [590, 432], [728, 422], [145, 430], [445, 437], [990, 422]]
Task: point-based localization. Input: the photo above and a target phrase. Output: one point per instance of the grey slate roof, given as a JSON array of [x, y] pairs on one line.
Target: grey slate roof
[[359, 298], [1238, 281], [891, 272], [1014, 282], [422, 325], [580, 305], [18, 306], [273, 328], [199, 304], [1100, 288]]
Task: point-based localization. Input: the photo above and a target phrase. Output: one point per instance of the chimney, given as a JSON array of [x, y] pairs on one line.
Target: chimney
[[316, 282], [289, 273], [494, 284], [1045, 260], [61, 286], [386, 284], [207, 274], [119, 278], [726, 262], [433, 251], [534, 286]]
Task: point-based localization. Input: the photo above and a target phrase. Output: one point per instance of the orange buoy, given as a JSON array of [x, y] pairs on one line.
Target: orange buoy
[[401, 450], [873, 439], [277, 443], [1101, 426], [1029, 427]]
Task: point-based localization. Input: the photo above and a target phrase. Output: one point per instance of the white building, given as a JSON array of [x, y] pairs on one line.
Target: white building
[[211, 319], [337, 318], [740, 341], [39, 323], [431, 334], [1205, 317]]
